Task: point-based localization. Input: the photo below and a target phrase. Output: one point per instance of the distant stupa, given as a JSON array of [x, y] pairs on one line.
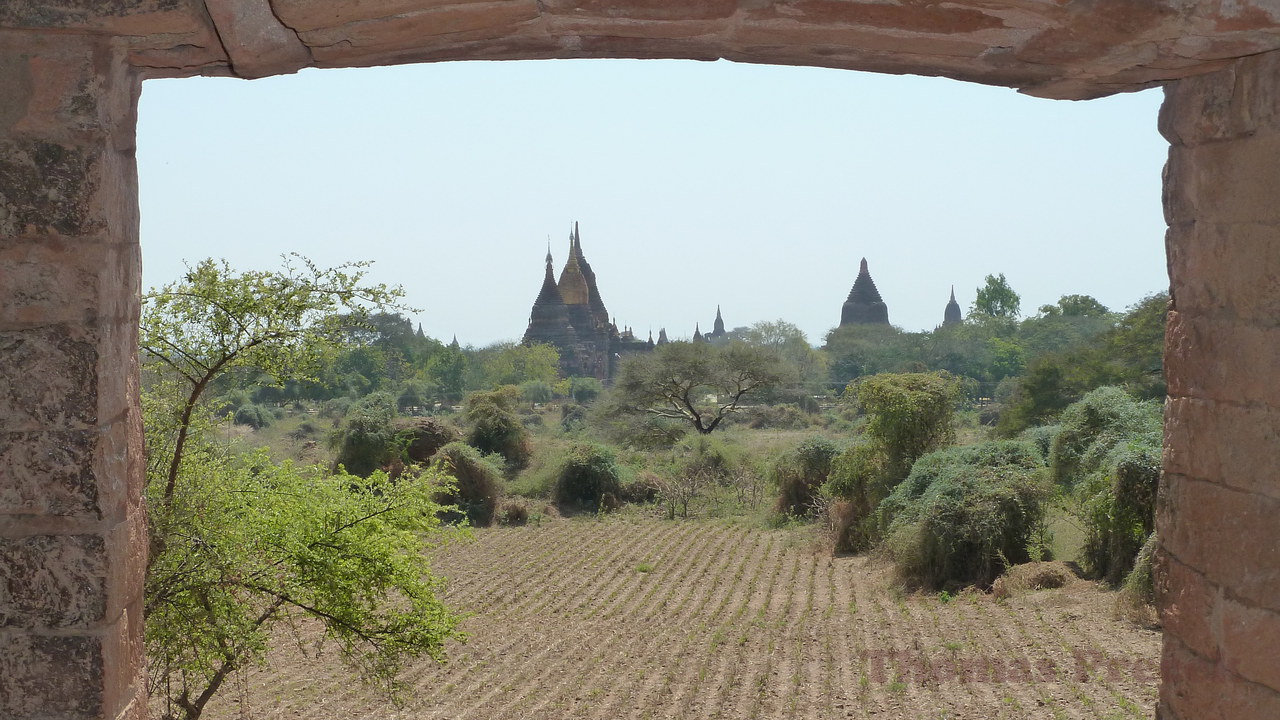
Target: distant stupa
[[952, 316], [864, 306], [717, 329]]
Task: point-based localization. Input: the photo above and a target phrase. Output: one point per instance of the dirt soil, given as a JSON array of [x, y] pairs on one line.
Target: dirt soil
[[700, 619]]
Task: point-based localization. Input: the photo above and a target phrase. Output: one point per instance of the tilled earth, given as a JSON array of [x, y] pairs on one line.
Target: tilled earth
[[699, 619]]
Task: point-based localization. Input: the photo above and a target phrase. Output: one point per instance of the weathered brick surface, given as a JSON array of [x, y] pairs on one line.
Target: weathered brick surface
[[53, 581], [45, 188], [1224, 182], [1188, 605], [1196, 689], [1234, 103], [50, 677], [1237, 446], [409, 30], [48, 379], [72, 529], [1231, 537], [49, 473], [1251, 642], [1218, 359], [1228, 271]]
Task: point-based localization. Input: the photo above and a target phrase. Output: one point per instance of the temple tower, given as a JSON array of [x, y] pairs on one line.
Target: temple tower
[[951, 315], [717, 330], [598, 312], [864, 305], [549, 319]]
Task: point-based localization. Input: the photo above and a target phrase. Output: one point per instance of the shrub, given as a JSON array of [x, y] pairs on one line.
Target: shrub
[[584, 475], [585, 389], [645, 488], [336, 408], [255, 416], [366, 441], [909, 414], [535, 391], [799, 473], [572, 416], [1137, 594], [475, 493], [1042, 437], [856, 485], [422, 437], [710, 456], [493, 426], [513, 513], [1093, 426], [1118, 506], [1106, 460], [781, 417], [966, 514]]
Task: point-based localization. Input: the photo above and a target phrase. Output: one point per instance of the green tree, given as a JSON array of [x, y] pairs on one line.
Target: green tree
[[996, 299], [239, 543], [694, 384], [1076, 306], [792, 345], [909, 414], [860, 350], [448, 369], [536, 391], [282, 324], [584, 389], [511, 364]]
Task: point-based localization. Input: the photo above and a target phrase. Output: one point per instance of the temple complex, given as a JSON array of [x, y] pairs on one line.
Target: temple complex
[[570, 315]]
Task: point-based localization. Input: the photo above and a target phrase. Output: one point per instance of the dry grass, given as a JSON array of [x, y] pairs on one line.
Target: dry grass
[[633, 618]]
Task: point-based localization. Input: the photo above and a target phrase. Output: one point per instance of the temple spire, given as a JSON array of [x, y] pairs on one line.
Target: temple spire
[[864, 305], [951, 314]]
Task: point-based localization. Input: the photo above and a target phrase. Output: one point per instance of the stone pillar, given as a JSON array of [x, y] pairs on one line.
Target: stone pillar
[[1219, 513], [72, 527]]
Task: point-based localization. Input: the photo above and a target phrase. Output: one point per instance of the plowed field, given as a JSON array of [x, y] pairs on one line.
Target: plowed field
[[652, 619]]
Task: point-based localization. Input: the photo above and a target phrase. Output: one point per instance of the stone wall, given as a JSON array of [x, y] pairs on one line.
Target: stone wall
[[72, 530], [1219, 515]]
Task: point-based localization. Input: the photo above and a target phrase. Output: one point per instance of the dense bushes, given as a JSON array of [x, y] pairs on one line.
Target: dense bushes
[[586, 477], [858, 481], [493, 426], [477, 482], [366, 441], [1106, 461], [255, 416], [1092, 427], [964, 514], [800, 472], [908, 415], [422, 437]]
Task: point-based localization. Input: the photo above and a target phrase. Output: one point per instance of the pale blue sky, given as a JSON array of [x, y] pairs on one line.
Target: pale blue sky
[[754, 187]]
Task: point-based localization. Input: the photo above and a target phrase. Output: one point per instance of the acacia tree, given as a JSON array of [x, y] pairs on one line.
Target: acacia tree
[[697, 384], [239, 543], [996, 299]]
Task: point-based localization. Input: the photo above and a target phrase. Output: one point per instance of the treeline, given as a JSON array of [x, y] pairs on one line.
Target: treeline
[[1028, 370]]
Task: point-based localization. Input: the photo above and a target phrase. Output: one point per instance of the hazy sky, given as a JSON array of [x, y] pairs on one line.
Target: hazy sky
[[757, 188]]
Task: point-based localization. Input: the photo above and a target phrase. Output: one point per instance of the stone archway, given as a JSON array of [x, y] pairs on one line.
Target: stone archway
[[72, 534]]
